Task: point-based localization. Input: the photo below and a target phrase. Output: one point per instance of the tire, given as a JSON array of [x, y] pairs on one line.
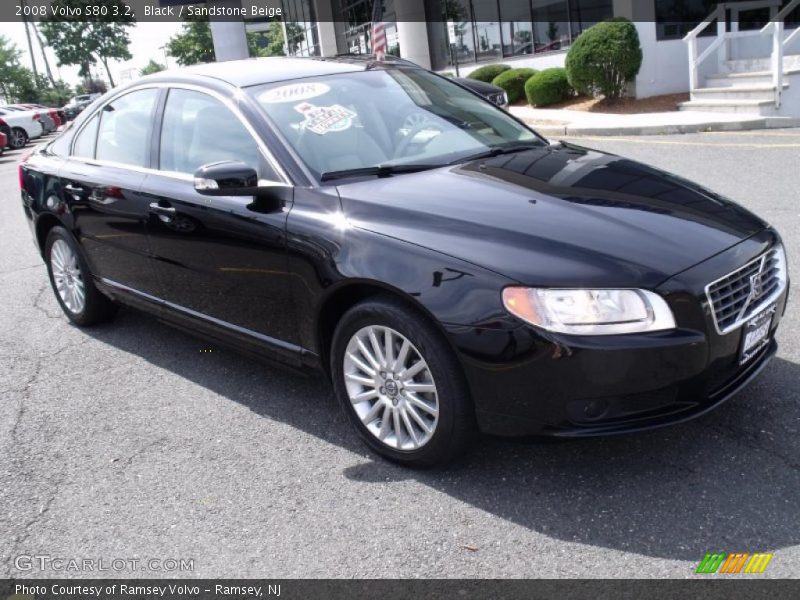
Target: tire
[[69, 272], [19, 138], [451, 430]]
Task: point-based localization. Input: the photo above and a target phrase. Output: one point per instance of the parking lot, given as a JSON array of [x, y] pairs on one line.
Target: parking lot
[[134, 440]]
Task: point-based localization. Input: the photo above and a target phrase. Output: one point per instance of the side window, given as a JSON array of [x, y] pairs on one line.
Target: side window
[[199, 129], [85, 141], [124, 129]]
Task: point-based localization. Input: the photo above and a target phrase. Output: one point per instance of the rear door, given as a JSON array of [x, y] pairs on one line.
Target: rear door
[[101, 184], [221, 259]]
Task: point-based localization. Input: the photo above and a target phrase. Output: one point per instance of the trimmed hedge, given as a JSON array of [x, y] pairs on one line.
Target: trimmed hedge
[[488, 73], [513, 82], [548, 87], [605, 58]]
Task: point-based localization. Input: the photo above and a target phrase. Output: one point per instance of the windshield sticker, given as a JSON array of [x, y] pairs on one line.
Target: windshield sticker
[[325, 119], [294, 92]]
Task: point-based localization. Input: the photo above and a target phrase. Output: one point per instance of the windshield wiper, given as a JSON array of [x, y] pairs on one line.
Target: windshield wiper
[[497, 151], [377, 170]]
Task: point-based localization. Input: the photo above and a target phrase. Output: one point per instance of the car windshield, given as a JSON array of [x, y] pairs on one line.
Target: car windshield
[[384, 118]]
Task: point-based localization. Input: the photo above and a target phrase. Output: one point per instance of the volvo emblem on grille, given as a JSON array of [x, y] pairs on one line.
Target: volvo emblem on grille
[[756, 285]]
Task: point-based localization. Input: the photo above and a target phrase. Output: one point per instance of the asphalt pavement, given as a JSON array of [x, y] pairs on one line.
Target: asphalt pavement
[[136, 441]]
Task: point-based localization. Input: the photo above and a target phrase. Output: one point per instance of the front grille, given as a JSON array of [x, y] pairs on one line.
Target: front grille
[[739, 295]]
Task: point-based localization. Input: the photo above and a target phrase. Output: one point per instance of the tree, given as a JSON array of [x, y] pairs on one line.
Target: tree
[[84, 43], [194, 43], [92, 86], [16, 82], [151, 67], [56, 95]]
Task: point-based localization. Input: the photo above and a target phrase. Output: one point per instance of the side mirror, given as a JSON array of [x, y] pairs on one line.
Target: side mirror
[[227, 178]]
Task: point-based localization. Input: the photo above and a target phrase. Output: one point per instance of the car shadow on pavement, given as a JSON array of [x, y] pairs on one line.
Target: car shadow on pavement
[[726, 482]]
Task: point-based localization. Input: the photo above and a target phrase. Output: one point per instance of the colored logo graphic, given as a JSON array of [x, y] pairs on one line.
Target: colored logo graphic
[[737, 562]]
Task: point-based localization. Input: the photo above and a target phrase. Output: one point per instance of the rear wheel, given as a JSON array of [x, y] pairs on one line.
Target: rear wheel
[[72, 282], [400, 384], [19, 138]]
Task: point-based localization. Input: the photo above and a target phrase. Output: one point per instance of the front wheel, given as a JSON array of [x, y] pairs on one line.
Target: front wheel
[[72, 282], [19, 138], [401, 385]]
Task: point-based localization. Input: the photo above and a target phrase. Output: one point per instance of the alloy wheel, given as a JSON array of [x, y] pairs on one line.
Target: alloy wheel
[[391, 388], [67, 276], [18, 138]]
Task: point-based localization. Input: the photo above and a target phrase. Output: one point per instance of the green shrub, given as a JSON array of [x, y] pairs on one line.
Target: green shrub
[[487, 73], [605, 58], [513, 82], [548, 87]]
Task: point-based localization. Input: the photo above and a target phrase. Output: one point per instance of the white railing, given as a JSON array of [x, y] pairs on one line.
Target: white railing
[[776, 26], [722, 44]]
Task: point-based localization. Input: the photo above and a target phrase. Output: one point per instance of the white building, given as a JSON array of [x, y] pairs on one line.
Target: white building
[[450, 35]]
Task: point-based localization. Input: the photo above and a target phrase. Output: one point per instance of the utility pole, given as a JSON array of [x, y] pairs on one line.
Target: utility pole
[[30, 46]]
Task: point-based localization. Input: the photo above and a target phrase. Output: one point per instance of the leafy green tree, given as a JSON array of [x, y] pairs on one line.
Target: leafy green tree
[[57, 94], [16, 81], [151, 67], [91, 86], [193, 44], [84, 43]]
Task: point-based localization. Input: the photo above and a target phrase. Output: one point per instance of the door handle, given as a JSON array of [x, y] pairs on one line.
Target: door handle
[[163, 210], [74, 189]]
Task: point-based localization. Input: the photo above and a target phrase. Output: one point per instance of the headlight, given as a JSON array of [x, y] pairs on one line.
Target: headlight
[[589, 312], [781, 264]]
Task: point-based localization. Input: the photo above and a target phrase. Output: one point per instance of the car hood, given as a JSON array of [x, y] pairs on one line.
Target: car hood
[[478, 86], [554, 216]]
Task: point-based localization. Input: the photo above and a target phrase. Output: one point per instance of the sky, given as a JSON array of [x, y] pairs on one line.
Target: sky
[[146, 40]]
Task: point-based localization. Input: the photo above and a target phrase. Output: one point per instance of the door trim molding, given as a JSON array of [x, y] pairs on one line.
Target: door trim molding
[[283, 345]]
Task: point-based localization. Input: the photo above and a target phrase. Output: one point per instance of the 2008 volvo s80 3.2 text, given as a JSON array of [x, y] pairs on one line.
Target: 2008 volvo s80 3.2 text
[[449, 269]]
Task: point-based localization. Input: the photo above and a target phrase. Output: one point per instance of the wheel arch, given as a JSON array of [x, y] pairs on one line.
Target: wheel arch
[[351, 292], [44, 224]]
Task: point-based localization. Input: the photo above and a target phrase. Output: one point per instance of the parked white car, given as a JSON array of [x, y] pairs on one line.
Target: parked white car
[[24, 126], [48, 124]]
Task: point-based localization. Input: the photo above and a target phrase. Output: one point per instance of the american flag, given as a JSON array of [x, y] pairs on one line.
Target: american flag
[[378, 30]]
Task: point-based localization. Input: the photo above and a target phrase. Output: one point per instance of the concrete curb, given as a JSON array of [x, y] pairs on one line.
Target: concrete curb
[[749, 125]]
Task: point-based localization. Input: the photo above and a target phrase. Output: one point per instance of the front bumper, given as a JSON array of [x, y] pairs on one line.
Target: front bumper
[[528, 382]]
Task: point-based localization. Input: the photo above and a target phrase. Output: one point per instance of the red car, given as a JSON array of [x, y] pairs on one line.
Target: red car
[[3, 142]]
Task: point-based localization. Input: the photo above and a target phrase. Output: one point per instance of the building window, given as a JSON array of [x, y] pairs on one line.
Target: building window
[[675, 19], [487, 30], [356, 17], [488, 43], [551, 25], [517, 27], [585, 13], [300, 28]]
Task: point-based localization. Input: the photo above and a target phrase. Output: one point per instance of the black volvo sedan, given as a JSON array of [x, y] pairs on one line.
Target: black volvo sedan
[[449, 269]]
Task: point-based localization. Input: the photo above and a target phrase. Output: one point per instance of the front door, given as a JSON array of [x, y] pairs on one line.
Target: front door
[[221, 259]]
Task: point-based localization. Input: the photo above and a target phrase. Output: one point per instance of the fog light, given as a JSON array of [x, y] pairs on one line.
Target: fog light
[[595, 409]]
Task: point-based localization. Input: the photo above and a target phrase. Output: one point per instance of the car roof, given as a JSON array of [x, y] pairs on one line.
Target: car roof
[[256, 71]]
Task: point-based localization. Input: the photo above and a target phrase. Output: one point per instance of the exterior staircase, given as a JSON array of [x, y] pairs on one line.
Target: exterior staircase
[[759, 86], [747, 87]]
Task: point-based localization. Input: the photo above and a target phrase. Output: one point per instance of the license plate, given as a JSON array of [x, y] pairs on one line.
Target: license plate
[[755, 334]]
